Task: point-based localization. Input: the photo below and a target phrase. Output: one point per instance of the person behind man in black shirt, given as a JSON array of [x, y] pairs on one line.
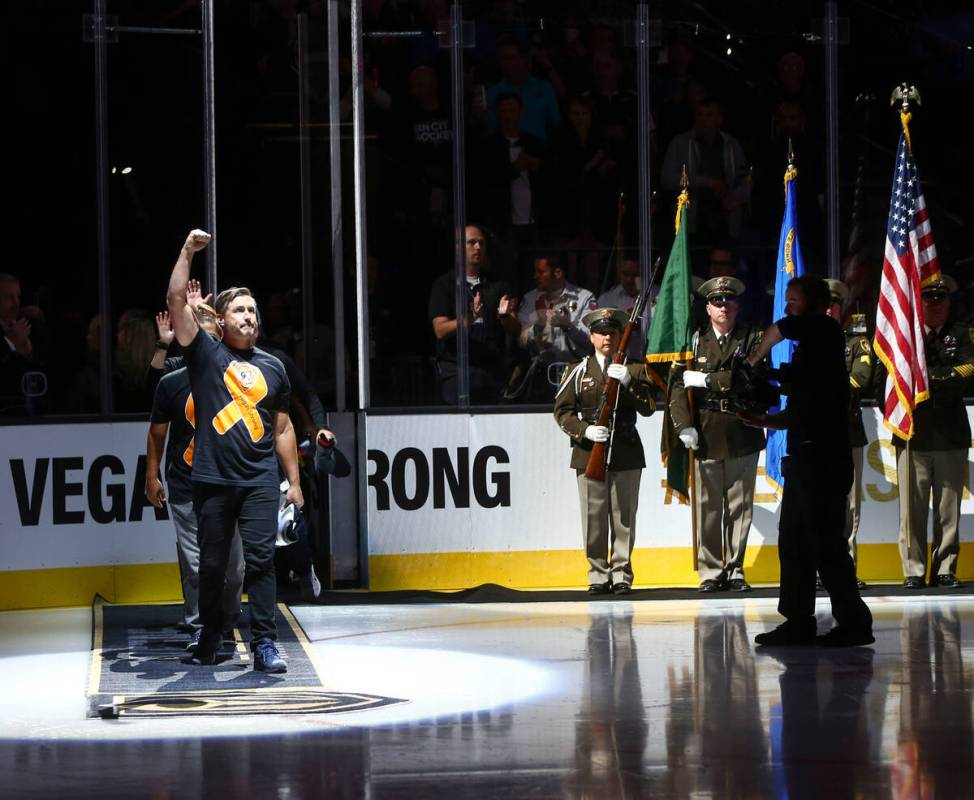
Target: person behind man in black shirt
[[491, 316], [173, 410], [817, 472], [241, 396]]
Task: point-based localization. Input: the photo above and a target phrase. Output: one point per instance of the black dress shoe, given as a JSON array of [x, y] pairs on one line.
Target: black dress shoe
[[738, 585], [206, 652], [710, 585], [788, 634], [947, 580], [913, 582], [621, 588], [600, 588], [844, 636]]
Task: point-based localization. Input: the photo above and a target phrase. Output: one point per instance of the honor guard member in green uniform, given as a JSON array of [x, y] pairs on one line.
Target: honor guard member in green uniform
[[859, 364], [727, 450], [608, 507], [937, 459]]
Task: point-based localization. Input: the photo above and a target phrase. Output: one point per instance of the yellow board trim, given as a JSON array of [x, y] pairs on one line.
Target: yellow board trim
[[557, 569], [76, 586], [518, 569]]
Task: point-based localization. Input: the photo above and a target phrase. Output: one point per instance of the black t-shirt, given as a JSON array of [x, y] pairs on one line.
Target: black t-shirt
[[236, 394], [173, 405], [486, 336], [155, 375], [430, 134], [816, 383]]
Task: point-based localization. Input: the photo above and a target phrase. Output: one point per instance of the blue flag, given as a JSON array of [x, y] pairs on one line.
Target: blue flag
[[790, 265]]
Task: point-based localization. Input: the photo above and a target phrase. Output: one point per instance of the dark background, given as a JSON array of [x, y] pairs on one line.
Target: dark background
[[155, 127]]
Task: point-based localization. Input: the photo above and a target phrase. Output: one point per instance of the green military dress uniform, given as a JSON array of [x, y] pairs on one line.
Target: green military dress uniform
[[859, 365], [937, 456], [726, 460], [608, 508]]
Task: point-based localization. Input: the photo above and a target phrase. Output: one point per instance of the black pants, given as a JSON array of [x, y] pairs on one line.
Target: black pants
[[220, 511], [811, 537]]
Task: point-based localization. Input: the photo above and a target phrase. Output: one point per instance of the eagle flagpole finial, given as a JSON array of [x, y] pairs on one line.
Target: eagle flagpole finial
[[904, 94]]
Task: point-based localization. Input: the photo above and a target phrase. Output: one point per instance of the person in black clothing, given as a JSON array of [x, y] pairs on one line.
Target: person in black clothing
[[817, 472], [307, 417], [507, 177], [241, 396], [491, 317], [23, 376], [174, 411]]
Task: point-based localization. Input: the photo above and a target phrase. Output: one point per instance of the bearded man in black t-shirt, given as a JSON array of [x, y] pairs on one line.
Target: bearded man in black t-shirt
[[241, 396], [174, 413]]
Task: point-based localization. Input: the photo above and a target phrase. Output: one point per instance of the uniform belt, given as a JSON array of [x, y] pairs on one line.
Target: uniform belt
[[713, 404]]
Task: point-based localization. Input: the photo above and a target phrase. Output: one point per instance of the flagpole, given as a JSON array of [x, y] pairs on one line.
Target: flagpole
[[692, 477], [905, 117], [692, 486], [904, 93]]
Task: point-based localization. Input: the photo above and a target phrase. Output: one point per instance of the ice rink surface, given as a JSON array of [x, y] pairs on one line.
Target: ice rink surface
[[576, 699]]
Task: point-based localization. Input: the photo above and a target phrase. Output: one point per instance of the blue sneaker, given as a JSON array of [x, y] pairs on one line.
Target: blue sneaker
[[194, 641], [267, 658]]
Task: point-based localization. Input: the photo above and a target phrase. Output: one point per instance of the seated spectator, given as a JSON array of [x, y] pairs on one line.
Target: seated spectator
[[724, 262], [610, 98], [509, 188], [424, 166], [552, 332], [134, 347], [789, 128], [790, 72], [582, 196], [541, 115], [720, 185], [572, 58], [490, 318], [23, 381], [616, 111], [429, 155], [623, 296], [84, 392], [670, 92]]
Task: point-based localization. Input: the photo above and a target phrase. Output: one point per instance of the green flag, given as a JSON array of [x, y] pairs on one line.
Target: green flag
[[671, 326], [670, 339]]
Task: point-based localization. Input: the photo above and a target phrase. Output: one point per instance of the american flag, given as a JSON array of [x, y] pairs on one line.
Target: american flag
[[910, 262]]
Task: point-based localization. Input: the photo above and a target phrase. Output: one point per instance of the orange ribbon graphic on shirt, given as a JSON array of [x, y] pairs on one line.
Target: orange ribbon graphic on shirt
[[190, 413], [247, 388]]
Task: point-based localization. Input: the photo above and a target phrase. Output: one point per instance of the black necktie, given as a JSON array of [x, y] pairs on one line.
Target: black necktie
[[722, 341]]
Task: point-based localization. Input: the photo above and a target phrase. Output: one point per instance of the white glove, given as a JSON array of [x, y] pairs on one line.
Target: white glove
[[619, 373], [690, 437], [697, 380], [597, 433]]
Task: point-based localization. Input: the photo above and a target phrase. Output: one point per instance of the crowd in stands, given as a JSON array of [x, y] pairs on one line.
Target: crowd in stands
[[551, 131], [551, 134]]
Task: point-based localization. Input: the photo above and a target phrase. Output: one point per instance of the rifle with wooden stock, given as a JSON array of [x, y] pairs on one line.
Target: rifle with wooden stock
[[598, 458]]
